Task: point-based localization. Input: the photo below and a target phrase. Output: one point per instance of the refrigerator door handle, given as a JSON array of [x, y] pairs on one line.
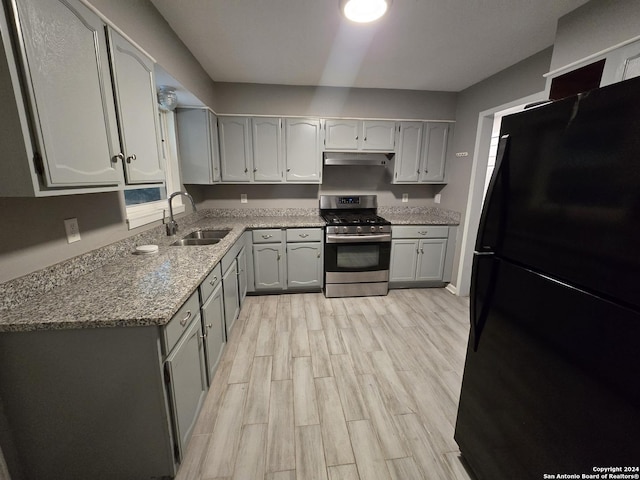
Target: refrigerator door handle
[[498, 176], [479, 307]]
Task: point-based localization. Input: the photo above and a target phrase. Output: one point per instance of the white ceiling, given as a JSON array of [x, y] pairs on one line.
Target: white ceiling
[[443, 45]]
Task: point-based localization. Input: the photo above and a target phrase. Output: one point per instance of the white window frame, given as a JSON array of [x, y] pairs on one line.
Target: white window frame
[[143, 214]]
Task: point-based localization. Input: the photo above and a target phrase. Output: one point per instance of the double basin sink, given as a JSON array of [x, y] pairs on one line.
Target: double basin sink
[[201, 237]]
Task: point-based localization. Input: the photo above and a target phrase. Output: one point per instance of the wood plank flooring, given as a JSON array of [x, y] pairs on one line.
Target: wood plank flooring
[[336, 389]]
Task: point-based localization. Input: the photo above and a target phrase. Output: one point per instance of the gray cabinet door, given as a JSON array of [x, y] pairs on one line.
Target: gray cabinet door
[[197, 130], [137, 112], [409, 152], [69, 92], [231, 297], [267, 149], [434, 152], [304, 265], [431, 258], [241, 265], [236, 155], [302, 150], [268, 266], [214, 147], [341, 134], [213, 327], [404, 258], [378, 135], [187, 382]]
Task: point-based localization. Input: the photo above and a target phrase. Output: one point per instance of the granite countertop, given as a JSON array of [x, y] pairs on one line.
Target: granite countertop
[[139, 290], [142, 290]]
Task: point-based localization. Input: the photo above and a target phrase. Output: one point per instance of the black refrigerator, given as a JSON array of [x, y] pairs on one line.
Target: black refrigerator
[[551, 383]]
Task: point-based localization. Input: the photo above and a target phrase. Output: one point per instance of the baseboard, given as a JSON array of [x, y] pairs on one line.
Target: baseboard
[[452, 288]]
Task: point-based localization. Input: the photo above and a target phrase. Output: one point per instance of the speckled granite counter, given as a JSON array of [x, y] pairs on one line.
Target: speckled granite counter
[[419, 216], [138, 290], [113, 287]]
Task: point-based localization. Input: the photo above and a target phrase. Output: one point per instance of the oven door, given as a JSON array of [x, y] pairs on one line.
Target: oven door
[[353, 258]]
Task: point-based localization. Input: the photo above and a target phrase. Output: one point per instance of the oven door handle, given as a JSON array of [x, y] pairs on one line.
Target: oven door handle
[[380, 238]]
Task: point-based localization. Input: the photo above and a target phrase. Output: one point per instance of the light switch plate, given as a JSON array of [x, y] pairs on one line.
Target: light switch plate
[[73, 232], [437, 198]]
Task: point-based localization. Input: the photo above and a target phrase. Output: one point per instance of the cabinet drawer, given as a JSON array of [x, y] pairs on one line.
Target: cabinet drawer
[[209, 284], [419, 231], [271, 235], [304, 235], [173, 330]]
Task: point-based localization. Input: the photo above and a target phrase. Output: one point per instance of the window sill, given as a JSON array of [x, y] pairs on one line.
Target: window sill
[[145, 214]]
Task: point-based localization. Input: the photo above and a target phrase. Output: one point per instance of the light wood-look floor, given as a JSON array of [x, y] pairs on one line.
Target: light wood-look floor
[[336, 389]]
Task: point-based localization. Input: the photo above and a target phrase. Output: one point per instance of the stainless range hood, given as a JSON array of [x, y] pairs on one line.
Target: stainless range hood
[[356, 158]]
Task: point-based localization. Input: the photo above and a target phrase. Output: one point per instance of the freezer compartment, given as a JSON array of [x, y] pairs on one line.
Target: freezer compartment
[[552, 387]]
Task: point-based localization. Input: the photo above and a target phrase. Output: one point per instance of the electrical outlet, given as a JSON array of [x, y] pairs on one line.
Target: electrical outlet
[[437, 198], [73, 232], [243, 198], [405, 197]]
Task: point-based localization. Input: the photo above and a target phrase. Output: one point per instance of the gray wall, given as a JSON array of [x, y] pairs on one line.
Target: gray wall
[[521, 80], [595, 26], [33, 231]]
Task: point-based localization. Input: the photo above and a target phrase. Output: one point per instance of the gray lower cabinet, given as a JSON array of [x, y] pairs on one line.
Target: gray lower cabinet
[[213, 320], [186, 376], [241, 265], [421, 255], [305, 267], [231, 296], [269, 266]]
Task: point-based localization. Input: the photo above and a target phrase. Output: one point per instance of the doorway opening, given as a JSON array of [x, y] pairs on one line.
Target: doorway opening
[[483, 163]]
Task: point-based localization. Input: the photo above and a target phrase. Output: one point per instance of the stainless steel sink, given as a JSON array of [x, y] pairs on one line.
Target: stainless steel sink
[[207, 234], [201, 237], [195, 241]]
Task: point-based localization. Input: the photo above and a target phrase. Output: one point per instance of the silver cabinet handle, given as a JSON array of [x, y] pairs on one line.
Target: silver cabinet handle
[[365, 139], [213, 282], [267, 236], [130, 158], [304, 235], [318, 254], [278, 257], [288, 169], [184, 321], [356, 137], [423, 233], [117, 157], [255, 170], [203, 337], [209, 326], [422, 251], [246, 169]]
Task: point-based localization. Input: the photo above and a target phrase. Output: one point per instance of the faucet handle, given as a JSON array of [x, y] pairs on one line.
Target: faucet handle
[[172, 228]]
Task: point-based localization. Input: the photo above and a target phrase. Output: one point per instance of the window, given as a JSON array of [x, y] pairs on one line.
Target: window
[[148, 204]]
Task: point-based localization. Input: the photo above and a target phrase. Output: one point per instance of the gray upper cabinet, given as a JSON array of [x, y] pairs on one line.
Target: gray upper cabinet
[[359, 135], [621, 64], [198, 145], [267, 149], [378, 135], [341, 134], [434, 150], [66, 134], [409, 152], [421, 152], [137, 112], [236, 156], [302, 150]]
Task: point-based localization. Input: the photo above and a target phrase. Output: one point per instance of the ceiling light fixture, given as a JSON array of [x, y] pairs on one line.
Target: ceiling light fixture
[[364, 11], [167, 97]]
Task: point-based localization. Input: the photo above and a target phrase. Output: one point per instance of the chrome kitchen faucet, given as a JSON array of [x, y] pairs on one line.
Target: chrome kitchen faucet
[[172, 226]]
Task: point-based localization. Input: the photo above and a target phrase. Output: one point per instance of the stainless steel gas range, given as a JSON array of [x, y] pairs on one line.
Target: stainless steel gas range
[[357, 246]]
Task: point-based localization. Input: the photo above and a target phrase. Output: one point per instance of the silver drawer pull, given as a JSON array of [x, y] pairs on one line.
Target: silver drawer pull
[[423, 233], [184, 321], [209, 326], [267, 236], [304, 235], [213, 282]]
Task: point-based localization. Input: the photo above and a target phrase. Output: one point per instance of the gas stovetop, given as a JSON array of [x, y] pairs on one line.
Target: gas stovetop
[[352, 215]]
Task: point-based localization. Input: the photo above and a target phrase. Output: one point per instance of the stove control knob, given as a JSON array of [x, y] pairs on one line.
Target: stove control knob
[[358, 229], [373, 229], [344, 229], [381, 228]]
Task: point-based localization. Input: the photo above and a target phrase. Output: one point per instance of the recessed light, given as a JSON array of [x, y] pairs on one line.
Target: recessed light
[[364, 11]]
